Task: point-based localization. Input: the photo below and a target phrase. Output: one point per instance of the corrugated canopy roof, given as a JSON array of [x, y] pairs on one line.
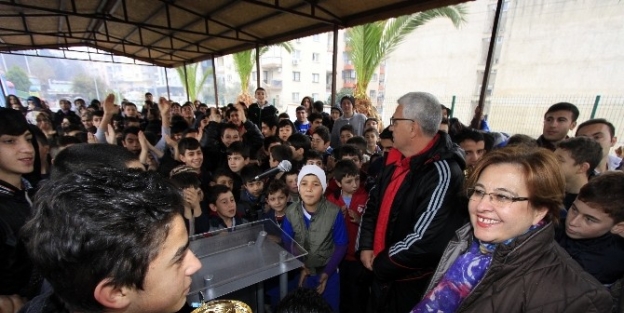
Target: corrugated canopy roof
[[171, 33]]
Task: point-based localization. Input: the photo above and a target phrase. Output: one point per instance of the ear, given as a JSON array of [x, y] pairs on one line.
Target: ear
[[338, 182], [112, 297], [583, 167], [539, 214], [213, 207], [182, 157], [246, 161], [573, 125], [613, 141], [618, 229]]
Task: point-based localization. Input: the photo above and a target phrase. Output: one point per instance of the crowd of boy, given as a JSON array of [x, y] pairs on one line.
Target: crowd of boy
[[373, 209]]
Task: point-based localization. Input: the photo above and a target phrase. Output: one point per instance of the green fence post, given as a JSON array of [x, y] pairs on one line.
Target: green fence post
[[452, 106], [596, 102]]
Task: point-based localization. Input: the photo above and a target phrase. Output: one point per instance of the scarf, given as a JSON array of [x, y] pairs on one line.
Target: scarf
[[462, 277]]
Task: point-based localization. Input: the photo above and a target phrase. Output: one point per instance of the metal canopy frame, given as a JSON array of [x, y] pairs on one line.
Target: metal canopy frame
[[171, 33]]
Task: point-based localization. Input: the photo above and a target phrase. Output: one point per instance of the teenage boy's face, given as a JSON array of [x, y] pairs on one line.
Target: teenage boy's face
[[317, 162], [268, 131], [17, 154], [272, 162], [225, 205], [291, 182], [344, 136], [96, 121], [193, 158], [316, 123], [371, 138], [349, 184], [318, 144], [255, 187], [168, 279], [130, 111], [230, 136], [600, 133], [225, 181], [584, 222], [131, 142], [567, 164], [557, 124], [372, 124], [301, 115], [236, 162], [310, 190], [277, 201]]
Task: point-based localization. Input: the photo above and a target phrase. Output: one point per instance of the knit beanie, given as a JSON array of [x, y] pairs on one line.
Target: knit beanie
[[312, 170]]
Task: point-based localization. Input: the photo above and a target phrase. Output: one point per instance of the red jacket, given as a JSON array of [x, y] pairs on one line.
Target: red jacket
[[358, 203]]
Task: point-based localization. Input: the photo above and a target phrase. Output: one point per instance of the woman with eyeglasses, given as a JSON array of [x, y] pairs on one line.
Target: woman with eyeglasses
[[506, 259]]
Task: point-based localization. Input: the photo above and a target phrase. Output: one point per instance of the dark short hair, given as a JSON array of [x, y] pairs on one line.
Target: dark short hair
[[522, 139], [222, 171], [284, 115], [598, 121], [179, 127], [270, 121], [583, 149], [12, 122], [268, 141], [249, 172], [312, 155], [371, 130], [80, 233], [238, 147], [347, 127], [215, 192], [277, 185], [348, 150], [300, 141], [188, 143], [314, 116], [130, 130], [281, 153], [83, 156], [284, 123], [469, 134], [185, 180], [98, 113], [358, 141], [605, 192], [318, 106], [564, 106], [345, 168], [226, 126], [128, 104], [386, 134], [324, 133], [300, 108]]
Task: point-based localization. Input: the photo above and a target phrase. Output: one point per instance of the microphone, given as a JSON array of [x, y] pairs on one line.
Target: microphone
[[283, 166]]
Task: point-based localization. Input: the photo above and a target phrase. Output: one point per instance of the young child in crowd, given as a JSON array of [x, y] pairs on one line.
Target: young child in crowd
[[319, 226], [251, 198], [351, 198], [290, 178], [223, 176], [285, 128], [237, 158], [371, 135], [221, 201], [313, 157], [346, 132], [197, 221], [302, 124], [593, 230], [277, 201]]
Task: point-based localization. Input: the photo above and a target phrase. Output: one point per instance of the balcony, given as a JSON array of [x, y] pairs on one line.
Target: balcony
[[275, 84], [348, 83], [348, 66], [271, 62]]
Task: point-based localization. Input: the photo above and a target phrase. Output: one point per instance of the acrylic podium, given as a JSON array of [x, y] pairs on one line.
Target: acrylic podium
[[239, 257]]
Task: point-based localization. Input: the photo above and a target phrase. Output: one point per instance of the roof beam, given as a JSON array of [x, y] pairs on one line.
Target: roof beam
[[277, 7]]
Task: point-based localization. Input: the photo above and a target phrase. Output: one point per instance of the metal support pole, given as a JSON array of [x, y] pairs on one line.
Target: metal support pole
[[186, 83], [214, 82], [4, 94], [452, 106], [595, 108], [334, 66], [488, 65], [167, 82], [257, 65]]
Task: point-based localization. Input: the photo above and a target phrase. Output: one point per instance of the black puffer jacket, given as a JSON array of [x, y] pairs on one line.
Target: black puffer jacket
[[532, 274], [425, 212]]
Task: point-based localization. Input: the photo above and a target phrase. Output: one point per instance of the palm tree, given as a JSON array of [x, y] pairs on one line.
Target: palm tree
[[245, 61], [192, 83], [372, 43]]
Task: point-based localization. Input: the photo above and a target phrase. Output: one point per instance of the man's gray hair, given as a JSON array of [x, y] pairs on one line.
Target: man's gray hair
[[424, 108]]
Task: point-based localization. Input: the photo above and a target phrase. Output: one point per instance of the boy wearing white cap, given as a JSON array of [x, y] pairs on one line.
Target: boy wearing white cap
[[317, 225]]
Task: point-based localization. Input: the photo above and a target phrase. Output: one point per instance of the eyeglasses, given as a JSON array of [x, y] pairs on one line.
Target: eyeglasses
[[497, 199], [393, 121]]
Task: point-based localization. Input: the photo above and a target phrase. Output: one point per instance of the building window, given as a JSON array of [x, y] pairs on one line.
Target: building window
[[373, 94], [296, 55], [316, 38], [315, 78], [297, 76], [315, 96], [316, 57], [345, 58], [348, 74], [295, 97], [374, 78]]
